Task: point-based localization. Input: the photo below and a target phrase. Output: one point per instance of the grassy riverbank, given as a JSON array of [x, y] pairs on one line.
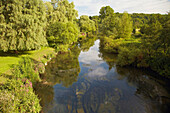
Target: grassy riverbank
[[19, 71], [7, 59]]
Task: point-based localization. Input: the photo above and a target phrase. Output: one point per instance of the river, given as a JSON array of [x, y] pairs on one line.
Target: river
[[87, 80]]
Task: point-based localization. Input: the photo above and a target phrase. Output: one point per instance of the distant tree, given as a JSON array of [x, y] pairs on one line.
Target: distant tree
[[151, 36], [86, 25], [124, 26], [96, 19], [107, 26], [62, 33], [165, 35], [105, 12], [63, 11], [22, 24]]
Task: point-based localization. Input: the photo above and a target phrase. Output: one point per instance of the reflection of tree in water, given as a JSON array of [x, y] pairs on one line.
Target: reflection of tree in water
[[86, 43], [45, 92], [101, 99], [110, 59], [87, 97], [64, 68], [155, 96]]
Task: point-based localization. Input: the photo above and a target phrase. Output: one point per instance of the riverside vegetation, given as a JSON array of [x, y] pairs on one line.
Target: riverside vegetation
[[34, 26]]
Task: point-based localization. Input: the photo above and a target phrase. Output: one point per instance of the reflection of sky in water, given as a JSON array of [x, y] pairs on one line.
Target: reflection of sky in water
[[91, 56], [94, 65], [97, 84], [98, 72]]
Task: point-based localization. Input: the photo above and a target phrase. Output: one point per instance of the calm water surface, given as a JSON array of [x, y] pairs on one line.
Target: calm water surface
[[87, 80]]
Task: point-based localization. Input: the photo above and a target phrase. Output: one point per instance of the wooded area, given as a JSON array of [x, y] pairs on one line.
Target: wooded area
[[140, 40]]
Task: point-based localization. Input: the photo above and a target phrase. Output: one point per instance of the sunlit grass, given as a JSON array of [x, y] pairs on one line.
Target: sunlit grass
[[7, 59]]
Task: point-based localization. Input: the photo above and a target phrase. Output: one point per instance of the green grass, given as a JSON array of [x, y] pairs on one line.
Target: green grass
[[7, 59]]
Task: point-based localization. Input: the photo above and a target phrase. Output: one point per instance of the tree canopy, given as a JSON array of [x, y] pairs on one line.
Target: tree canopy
[[86, 25], [22, 24]]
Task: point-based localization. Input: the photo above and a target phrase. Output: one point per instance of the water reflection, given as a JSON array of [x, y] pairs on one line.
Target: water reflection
[[90, 82], [87, 43], [63, 69]]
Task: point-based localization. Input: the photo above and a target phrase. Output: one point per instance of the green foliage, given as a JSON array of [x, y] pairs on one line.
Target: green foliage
[[107, 26], [22, 24], [131, 56], [96, 19], [124, 26], [86, 25], [113, 45], [119, 26], [62, 34], [18, 96], [86, 43], [62, 11], [149, 49], [26, 69], [64, 68], [105, 12]]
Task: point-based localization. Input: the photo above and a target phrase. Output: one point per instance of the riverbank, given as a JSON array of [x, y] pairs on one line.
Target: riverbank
[[134, 52], [88, 76], [8, 59], [18, 74]]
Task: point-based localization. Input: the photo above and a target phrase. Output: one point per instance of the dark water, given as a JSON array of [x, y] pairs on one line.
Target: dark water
[[87, 80]]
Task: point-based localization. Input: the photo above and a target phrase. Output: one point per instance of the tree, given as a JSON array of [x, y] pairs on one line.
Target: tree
[[105, 12], [96, 19], [22, 24], [86, 25], [107, 26], [62, 31], [60, 35], [63, 11], [164, 39], [49, 12], [124, 26]]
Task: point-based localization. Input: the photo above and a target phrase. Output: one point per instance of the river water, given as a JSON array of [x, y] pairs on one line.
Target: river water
[[87, 80]]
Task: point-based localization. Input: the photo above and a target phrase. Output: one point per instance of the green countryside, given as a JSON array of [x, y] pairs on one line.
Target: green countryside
[[56, 59]]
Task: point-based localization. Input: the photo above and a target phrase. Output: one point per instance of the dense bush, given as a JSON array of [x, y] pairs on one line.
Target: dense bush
[[18, 96], [131, 56], [26, 69], [112, 44], [160, 64]]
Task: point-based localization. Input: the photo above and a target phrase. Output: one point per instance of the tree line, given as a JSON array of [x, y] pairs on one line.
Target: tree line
[[140, 40], [31, 24]]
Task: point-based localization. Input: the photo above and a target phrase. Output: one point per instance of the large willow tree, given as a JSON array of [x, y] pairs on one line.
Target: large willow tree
[[22, 24]]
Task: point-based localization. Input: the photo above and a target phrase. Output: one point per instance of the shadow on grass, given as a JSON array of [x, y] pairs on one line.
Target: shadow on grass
[[13, 53]]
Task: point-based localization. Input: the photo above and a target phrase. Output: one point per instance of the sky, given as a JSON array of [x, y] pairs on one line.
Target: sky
[[92, 7]]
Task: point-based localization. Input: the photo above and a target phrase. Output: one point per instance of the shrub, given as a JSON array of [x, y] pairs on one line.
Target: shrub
[[131, 56], [26, 69], [160, 64], [18, 96]]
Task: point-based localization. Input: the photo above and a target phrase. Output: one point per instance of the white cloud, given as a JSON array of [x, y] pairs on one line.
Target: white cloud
[[98, 72], [92, 7]]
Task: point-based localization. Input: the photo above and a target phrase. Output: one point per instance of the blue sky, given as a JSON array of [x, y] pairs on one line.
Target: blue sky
[[92, 7]]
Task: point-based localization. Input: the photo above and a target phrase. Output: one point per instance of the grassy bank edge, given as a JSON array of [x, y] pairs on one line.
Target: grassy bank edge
[[8, 59]]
